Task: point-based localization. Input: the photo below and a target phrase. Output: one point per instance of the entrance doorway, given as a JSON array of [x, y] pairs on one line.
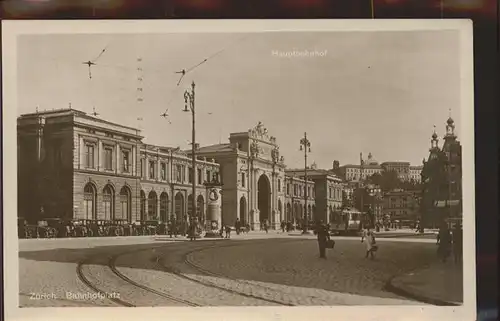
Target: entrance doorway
[[243, 210], [263, 198], [179, 207]]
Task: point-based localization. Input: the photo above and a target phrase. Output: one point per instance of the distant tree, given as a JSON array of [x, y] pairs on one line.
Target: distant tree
[[361, 199], [387, 180], [411, 185]]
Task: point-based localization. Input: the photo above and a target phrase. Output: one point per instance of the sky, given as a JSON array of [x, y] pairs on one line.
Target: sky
[[380, 92]]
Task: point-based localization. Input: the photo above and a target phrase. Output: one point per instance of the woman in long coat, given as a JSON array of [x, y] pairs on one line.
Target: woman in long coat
[[369, 239]]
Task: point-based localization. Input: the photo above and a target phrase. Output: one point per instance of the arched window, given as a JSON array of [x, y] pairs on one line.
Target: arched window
[[152, 205], [164, 207], [89, 202], [125, 204], [143, 205], [179, 206], [190, 205], [108, 202]]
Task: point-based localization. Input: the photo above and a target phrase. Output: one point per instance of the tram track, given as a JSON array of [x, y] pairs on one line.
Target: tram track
[[186, 261], [111, 265]]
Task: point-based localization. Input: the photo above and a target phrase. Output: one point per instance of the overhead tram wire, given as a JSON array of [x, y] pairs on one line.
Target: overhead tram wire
[[94, 62], [91, 63]]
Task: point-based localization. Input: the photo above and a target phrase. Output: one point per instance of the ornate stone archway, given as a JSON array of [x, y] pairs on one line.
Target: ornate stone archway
[[264, 199]]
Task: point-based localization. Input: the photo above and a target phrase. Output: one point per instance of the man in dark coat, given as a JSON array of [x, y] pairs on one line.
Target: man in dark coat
[[192, 230], [237, 226], [172, 227], [323, 238], [444, 246]]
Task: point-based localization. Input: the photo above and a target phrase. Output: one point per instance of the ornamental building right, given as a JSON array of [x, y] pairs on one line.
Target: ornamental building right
[[442, 180]]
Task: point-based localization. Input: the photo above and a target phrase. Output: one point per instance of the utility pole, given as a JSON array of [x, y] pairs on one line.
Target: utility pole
[[305, 144], [189, 99], [361, 187]]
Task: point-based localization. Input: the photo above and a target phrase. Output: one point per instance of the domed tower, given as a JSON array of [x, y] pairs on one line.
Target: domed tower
[[450, 130], [450, 138], [434, 140]]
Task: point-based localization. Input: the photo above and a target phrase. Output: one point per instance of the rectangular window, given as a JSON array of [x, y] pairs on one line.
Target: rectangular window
[[163, 171], [190, 178], [183, 174], [288, 189], [151, 169], [243, 179], [125, 161], [209, 177], [279, 185], [178, 173], [200, 177], [108, 158], [294, 190], [89, 156], [142, 167]]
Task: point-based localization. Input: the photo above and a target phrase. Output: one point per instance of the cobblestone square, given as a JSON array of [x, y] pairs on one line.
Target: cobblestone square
[[246, 270]]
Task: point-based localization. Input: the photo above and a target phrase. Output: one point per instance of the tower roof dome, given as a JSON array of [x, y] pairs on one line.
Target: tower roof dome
[[434, 136], [450, 121]]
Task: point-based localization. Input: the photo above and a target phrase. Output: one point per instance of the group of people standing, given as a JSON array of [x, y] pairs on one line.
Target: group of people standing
[[449, 241]]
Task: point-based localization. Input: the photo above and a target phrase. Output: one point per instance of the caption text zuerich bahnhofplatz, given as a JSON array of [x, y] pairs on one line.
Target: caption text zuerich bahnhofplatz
[[298, 53], [81, 296]]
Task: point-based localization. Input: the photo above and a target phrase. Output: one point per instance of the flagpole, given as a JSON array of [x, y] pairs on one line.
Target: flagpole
[[372, 9]]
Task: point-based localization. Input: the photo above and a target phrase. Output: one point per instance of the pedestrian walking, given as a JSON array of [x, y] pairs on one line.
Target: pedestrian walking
[[444, 246], [370, 243], [283, 224], [323, 238], [457, 243], [172, 226], [266, 227], [192, 231], [228, 231], [237, 226]]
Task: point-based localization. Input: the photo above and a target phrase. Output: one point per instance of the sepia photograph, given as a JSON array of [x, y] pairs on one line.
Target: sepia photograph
[[240, 164]]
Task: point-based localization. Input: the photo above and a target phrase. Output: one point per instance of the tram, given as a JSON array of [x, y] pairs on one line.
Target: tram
[[348, 221]]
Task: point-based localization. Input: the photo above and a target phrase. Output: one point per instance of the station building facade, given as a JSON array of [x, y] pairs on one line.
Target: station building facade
[[295, 198], [252, 177], [75, 166], [326, 190]]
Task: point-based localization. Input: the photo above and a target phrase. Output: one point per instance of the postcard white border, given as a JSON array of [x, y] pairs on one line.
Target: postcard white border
[[11, 29]]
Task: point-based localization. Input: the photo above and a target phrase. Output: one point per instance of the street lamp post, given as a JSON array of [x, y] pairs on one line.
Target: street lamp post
[[305, 145], [189, 100], [374, 192]]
